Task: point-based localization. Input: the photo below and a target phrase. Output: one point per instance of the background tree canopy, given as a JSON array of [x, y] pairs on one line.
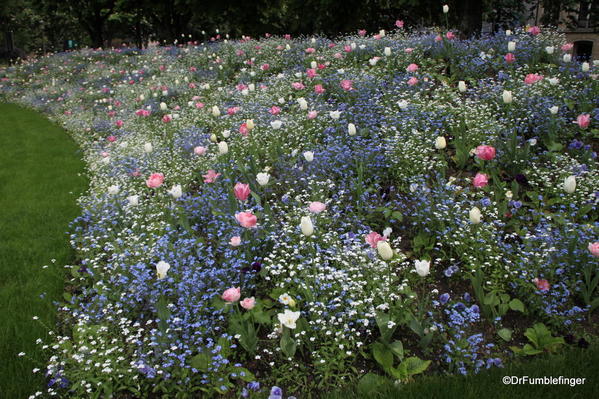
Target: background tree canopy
[[54, 25]]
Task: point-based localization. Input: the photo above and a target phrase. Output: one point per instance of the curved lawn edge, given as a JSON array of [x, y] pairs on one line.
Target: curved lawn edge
[[41, 177]]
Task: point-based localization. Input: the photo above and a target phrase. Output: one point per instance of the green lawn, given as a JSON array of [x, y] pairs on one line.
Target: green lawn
[[40, 180], [572, 363]]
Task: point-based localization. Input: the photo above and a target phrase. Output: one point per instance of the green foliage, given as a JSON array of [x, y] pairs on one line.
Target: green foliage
[[541, 341]]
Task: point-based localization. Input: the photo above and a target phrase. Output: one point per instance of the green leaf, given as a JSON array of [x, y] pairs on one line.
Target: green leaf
[[382, 355], [371, 383], [247, 376], [517, 305], [397, 349], [288, 344], [415, 365], [201, 361], [505, 334]]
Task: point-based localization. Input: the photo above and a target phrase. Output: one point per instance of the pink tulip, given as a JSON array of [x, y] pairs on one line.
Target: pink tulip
[[111, 139], [567, 47], [210, 176], [346, 84], [510, 58], [246, 219], [532, 78], [310, 50], [167, 118], [235, 241], [298, 85], [265, 67], [594, 249], [438, 38], [317, 207], [243, 129], [412, 81], [534, 30], [412, 68], [542, 284], [312, 114], [362, 32], [338, 56], [119, 123], [199, 150], [318, 89], [248, 303], [480, 180], [399, 23], [485, 152], [408, 50], [450, 35], [232, 110], [231, 295], [373, 238], [311, 73], [155, 180], [583, 120], [241, 191], [274, 110]]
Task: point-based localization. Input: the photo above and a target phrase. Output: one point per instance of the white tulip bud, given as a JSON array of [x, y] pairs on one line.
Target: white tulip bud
[[262, 178], [163, 106], [161, 269], [475, 215], [387, 51], [403, 104], [142, 97], [387, 232], [553, 81], [585, 67], [351, 129], [148, 148], [554, 110], [440, 143], [445, 9], [508, 32], [549, 49], [509, 195], [384, 250], [507, 97], [335, 115], [309, 156], [176, 191], [113, 190], [423, 267], [313, 65], [215, 111], [511, 46], [307, 226], [567, 58], [250, 124], [570, 184], [226, 133], [252, 87], [223, 147], [276, 124], [302, 103], [462, 86], [133, 200]]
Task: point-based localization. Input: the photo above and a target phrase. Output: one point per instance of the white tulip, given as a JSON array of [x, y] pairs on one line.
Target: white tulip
[[306, 226], [133, 200], [585, 67], [403, 104], [148, 148], [142, 97], [462, 86], [309, 156], [507, 97], [387, 232], [226, 133], [440, 143], [288, 318], [252, 87], [223, 147], [351, 129], [570, 184], [445, 9], [250, 124], [382, 33], [215, 111], [113, 190], [549, 49], [302, 103], [161, 269], [163, 106], [313, 65], [335, 115], [384, 250], [423, 267], [176, 191], [511, 46], [567, 58], [554, 110], [262, 178], [475, 215], [387, 51], [508, 32], [553, 81], [276, 124], [213, 138]]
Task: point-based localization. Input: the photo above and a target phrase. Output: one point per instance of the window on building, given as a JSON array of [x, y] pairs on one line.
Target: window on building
[[583, 50], [584, 14]]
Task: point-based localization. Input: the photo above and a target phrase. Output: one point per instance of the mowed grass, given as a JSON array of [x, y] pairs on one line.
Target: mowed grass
[[571, 363], [41, 176]]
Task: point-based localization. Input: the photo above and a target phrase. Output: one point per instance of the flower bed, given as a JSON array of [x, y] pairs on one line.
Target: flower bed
[[300, 212]]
